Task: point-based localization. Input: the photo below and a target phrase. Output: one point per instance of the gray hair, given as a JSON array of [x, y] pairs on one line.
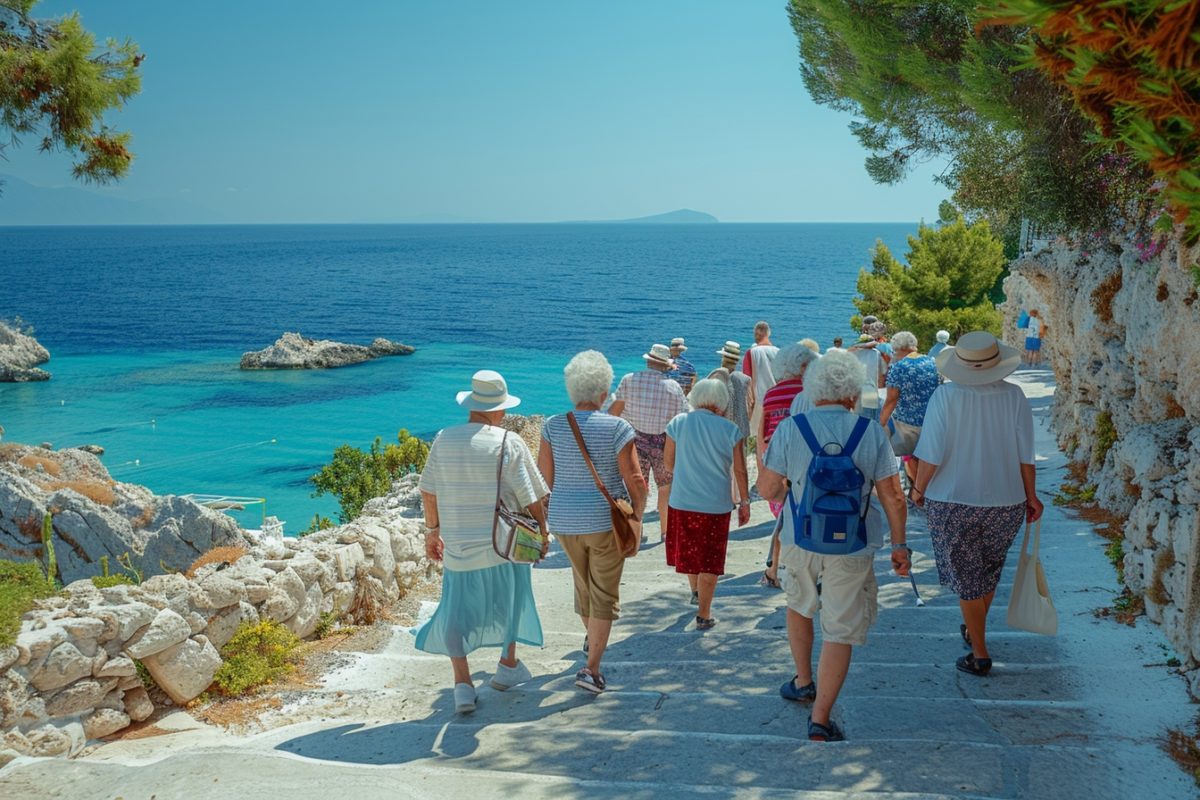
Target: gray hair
[[811, 344], [709, 393], [791, 361], [837, 375], [589, 377], [904, 340], [943, 336]]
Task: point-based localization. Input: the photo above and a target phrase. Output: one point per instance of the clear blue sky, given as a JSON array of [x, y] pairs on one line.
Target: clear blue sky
[[382, 110]]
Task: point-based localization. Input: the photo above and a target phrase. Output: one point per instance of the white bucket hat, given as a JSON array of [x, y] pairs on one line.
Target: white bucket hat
[[978, 358], [731, 350], [677, 344], [489, 392], [660, 353]]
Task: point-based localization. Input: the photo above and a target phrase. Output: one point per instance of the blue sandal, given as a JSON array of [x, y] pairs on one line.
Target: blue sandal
[[803, 694]]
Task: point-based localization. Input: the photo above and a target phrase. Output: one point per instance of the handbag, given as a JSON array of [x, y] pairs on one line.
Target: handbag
[[516, 536], [1030, 607], [627, 529]]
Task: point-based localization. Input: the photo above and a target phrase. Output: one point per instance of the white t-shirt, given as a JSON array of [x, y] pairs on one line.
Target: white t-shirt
[[979, 436], [870, 358], [789, 455], [461, 472], [1034, 329], [762, 362]]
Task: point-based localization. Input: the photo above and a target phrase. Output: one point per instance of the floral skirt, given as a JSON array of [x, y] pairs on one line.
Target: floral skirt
[[490, 607], [696, 542], [971, 543]]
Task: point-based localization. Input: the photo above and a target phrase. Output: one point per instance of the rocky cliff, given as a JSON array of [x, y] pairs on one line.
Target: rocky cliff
[[293, 351], [20, 354], [1123, 339]]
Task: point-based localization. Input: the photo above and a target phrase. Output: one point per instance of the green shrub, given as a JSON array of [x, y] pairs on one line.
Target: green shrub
[[1116, 554], [318, 523], [1106, 437], [325, 624], [108, 581], [21, 583], [259, 653], [355, 476]]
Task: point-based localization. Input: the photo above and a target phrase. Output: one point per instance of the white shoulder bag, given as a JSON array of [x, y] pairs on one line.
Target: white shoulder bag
[[1030, 607]]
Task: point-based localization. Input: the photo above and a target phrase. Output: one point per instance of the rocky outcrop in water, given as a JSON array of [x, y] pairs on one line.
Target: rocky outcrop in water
[[293, 351], [20, 354], [1124, 341]]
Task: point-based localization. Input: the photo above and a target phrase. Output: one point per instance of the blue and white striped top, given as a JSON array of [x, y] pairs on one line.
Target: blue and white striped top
[[576, 505]]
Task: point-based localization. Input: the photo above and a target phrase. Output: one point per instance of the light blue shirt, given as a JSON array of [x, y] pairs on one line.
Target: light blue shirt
[[703, 462]]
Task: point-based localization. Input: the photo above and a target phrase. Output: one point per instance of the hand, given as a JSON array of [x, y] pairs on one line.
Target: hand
[[434, 549], [917, 497], [545, 542], [1033, 509], [902, 561], [743, 515]]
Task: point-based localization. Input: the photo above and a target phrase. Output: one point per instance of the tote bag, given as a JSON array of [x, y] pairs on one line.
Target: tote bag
[[1030, 607]]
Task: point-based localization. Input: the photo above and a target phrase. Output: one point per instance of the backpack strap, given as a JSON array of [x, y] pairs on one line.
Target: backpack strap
[[806, 431], [856, 435]]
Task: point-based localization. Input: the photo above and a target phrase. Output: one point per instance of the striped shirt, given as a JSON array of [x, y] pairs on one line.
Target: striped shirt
[[576, 505], [651, 400], [461, 472], [777, 405], [684, 373]]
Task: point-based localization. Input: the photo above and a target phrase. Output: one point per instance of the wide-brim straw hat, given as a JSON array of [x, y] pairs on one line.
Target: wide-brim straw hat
[[489, 392], [978, 358], [730, 350], [677, 344], [661, 354]]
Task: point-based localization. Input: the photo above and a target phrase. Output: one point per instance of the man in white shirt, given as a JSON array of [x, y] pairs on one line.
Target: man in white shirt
[[757, 364]]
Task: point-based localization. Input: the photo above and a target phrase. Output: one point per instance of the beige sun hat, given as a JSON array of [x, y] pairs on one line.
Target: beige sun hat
[[978, 358], [489, 392], [677, 343], [660, 353], [731, 350]]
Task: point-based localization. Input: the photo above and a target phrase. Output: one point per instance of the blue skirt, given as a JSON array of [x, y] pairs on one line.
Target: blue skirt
[[490, 607]]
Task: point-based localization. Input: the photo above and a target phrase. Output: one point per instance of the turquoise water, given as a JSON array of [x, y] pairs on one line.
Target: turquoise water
[[146, 327]]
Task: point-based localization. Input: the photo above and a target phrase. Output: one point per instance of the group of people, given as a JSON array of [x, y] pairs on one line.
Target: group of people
[[963, 434]]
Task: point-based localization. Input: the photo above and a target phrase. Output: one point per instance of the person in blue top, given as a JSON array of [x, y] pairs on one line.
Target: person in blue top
[[911, 381], [705, 451], [943, 341], [685, 372]]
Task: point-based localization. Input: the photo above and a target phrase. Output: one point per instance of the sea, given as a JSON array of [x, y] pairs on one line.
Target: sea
[[146, 326]]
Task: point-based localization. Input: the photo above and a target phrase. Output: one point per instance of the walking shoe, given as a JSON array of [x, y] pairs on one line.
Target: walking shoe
[[829, 732], [705, 623], [804, 694], [464, 698], [508, 677], [974, 666], [695, 598], [589, 681]]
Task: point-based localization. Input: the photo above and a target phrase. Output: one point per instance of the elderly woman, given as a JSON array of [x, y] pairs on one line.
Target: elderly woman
[[579, 513], [976, 479], [911, 382], [486, 601], [790, 364], [704, 449], [847, 598]]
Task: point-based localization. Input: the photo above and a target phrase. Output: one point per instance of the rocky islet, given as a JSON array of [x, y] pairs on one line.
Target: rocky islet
[[294, 351]]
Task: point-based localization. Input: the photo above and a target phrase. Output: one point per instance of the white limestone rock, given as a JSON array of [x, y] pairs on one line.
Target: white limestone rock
[[185, 670], [20, 354], [293, 351], [167, 630], [138, 704], [286, 597], [64, 665], [104, 722]]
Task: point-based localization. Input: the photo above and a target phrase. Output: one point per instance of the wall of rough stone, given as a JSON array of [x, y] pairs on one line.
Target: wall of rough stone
[[71, 675], [1124, 342]]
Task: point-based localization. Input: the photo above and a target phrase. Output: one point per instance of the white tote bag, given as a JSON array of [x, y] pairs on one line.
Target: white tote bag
[[1030, 607]]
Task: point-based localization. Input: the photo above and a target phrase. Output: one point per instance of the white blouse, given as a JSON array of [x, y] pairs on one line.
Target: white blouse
[[979, 436]]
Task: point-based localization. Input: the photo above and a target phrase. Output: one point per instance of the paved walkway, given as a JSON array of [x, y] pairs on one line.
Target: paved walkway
[[691, 714]]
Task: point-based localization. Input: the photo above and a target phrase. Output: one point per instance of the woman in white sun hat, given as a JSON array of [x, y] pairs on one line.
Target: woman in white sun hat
[[976, 478], [486, 601]]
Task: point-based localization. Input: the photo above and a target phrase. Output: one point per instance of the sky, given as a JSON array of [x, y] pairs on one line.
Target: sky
[[526, 111]]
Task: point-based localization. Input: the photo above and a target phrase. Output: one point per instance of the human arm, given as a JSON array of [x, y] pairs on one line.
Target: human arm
[[616, 408], [889, 405], [892, 499], [669, 454], [434, 549], [631, 474], [925, 472], [742, 481], [545, 462], [537, 510], [1033, 506]]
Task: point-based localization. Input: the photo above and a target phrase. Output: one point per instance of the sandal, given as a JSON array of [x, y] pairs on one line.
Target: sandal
[[802, 694], [829, 732], [975, 666], [966, 636], [590, 681], [705, 623], [769, 582]]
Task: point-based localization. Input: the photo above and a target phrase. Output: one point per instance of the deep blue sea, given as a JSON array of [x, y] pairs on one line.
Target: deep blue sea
[[145, 326]]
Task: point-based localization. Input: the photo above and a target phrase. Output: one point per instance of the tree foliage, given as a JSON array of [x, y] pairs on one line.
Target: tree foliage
[[355, 476], [56, 83], [946, 284]]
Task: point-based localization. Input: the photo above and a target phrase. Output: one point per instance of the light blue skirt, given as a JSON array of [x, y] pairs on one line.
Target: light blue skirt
[[490, 607]]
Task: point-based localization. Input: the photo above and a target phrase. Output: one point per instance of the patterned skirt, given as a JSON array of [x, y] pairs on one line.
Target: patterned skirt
[[696, 542], [971, 543], [490, 607]]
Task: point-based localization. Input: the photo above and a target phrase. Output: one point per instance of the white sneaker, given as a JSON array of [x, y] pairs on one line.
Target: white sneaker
[[508, 677], [464, 698]]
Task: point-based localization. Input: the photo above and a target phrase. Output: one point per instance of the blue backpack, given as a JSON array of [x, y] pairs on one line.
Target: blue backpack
[[1023, 319], [831, 517]]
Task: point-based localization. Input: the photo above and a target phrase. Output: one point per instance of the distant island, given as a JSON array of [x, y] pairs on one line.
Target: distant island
[[684, 216]]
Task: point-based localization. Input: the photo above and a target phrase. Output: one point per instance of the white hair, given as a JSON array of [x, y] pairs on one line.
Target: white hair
[[838, 375], [904, 340], [791, 361], [709, 393], [589, 377], [943, 336], [811, 344]]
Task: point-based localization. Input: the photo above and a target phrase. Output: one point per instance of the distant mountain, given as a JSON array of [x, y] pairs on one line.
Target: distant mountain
[[684, 216], [23, 203]]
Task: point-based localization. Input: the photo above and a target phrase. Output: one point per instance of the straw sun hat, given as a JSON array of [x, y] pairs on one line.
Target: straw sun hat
[[677, 343], [660, 354], [489, 392], [731, 350], [978, 358]]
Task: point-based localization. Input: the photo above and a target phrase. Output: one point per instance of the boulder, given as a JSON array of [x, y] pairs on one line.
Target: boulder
[[137, 703], [119, 667], [64, 665], [185, 670], [79, 696], [286, 597], [167, 630], [123, 620], [221, 627], [304, 622], [293, 351], [104, 722], [20, 354]]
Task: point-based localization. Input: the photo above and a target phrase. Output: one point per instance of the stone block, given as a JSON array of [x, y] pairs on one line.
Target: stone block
[[137, 704], [197, 621], [104, 722], [223, 625], [118, 667], [48, 740], [34, 644], [83, 627], [165, 585], [257, 593], [129, 682], [346, 559], [304, 622], [79, 696], [166, 630], [8, 656], [343, 597], [308, 568], [185, 670], [286, 597], [65, 664], [216, 591]]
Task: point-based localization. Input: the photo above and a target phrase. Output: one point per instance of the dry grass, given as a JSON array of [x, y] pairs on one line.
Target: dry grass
[[144, 519], [1184, 750], [217, 555], [370, 600], [1103, 295], [1077, 471], [1125, 609], [49, 465], [1158, 588], [1174, 410], [95, 491]]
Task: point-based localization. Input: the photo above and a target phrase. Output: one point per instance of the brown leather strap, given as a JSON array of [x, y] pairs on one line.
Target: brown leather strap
[[587, 459]]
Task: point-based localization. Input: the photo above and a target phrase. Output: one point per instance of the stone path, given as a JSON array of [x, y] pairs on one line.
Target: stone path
[[691, 714]]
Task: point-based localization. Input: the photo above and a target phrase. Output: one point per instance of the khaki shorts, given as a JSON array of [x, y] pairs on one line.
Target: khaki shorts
[[596, 565], [847, 601]]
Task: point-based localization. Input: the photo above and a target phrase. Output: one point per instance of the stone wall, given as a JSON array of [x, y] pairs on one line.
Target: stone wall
[[71, 676], [1124, 342]]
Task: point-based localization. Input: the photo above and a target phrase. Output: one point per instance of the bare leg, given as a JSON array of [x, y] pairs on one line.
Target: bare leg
[[664, 495], [511, 653], [462, 672], [598, 632], [974, 613], [800, 639], [831, 674], [706, 584], [692, 581]]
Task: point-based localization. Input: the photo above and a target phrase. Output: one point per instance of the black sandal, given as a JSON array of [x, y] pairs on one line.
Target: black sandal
[[705, 623], [966, 636], [975, 666], [829, 732]]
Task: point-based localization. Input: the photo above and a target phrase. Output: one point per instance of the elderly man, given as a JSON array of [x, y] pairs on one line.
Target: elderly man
[[757, 365], [684, 372], [847, 600], [739, 386], [648, 400]]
